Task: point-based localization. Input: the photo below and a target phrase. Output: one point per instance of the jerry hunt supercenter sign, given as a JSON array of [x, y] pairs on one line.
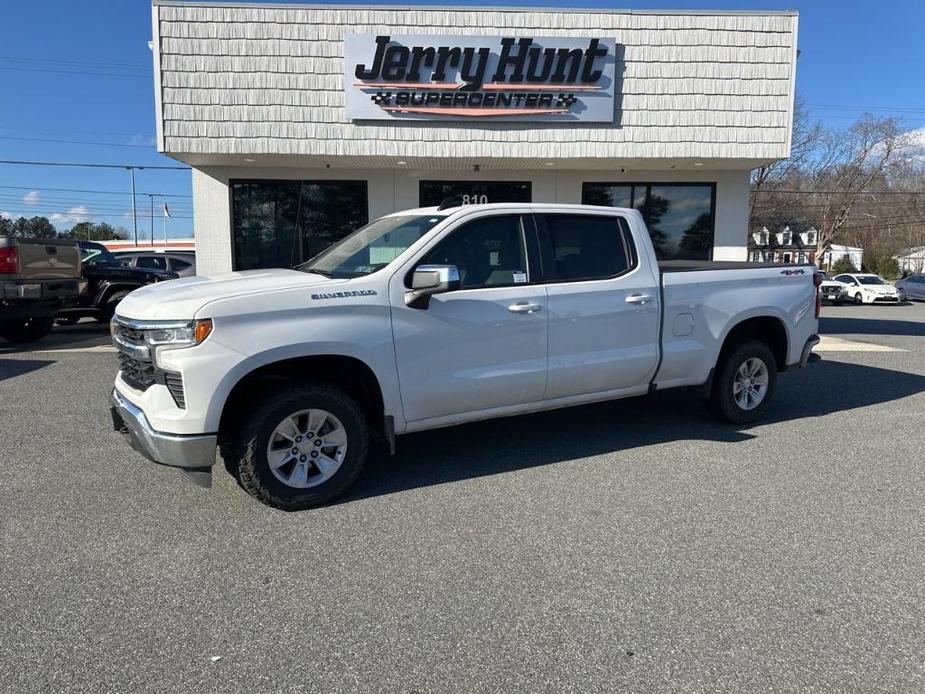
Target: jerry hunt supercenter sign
[[513, 78]]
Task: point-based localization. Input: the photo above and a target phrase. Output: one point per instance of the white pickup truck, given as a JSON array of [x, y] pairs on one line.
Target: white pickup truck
[[434, 317]]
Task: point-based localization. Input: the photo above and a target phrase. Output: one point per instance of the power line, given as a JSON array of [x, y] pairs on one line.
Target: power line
[[96, 166], [71, 142], [84, 190], [74, 72], [21, 59], [768, 191], [835, 107]]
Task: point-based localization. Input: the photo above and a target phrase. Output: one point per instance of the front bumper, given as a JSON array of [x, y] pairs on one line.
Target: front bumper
[[177, 450]]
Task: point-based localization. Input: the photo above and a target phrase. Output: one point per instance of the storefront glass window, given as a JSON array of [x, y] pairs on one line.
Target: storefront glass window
[[284, 223], [474, 192], [679, 216]]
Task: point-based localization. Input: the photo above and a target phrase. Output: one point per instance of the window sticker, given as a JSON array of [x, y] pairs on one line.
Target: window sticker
[[520, 277]]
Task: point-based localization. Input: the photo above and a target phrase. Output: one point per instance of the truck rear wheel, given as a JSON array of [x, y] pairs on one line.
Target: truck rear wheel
[[300, 447], [744, 383], [26, 329]]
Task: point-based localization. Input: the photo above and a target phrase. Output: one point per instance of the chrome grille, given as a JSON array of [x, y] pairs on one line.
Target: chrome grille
[[137, 373]]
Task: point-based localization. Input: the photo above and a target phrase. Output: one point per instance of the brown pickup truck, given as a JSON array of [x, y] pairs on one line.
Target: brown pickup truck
[[38, 277]]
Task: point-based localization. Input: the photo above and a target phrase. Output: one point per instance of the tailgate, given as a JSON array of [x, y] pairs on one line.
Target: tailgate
[[48, 259]]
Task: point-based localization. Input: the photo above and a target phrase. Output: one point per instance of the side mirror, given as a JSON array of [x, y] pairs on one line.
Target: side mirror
[[429, 280]]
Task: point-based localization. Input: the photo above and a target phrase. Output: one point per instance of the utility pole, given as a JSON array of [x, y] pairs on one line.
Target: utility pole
[[134, 215], [151, 200]]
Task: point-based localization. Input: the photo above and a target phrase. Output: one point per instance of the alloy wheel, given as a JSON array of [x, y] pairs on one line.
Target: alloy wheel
[[307, 448], [750, 384]]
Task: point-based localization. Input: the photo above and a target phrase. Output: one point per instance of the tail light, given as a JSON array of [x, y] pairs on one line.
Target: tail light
[[817, 283], [9, 260]]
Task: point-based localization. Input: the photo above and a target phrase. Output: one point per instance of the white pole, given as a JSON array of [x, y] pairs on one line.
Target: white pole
[[165, 222]]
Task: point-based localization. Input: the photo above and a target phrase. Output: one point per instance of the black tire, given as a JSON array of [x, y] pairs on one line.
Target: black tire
[[109, 308], [858, 299], [27, 329], [248, 446], [722, 400]]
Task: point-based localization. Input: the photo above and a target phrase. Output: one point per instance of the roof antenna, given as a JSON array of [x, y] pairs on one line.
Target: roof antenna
[[452, 201]]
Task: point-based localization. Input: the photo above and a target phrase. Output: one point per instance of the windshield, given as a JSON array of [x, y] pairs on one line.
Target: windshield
[[870, 279], [97, 255], [372, 247]]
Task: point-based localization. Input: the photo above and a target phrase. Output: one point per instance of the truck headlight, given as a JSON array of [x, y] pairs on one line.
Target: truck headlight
[[177, 336]]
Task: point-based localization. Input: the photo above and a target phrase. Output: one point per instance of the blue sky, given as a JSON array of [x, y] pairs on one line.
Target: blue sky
[[76, 84]]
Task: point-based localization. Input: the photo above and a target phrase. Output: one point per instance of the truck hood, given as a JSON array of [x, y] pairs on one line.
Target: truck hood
[[180, 299]]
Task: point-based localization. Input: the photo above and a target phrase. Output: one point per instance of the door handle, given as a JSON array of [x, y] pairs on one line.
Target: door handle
[[524, 308], [638, 298]]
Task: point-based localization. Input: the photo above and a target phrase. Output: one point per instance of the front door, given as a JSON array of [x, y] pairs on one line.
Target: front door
[[603, 307], [482, 346]]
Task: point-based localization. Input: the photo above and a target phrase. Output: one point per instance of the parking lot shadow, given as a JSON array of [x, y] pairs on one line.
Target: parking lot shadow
[[81, 335], [11, 368], [527, 441], [868, 326]]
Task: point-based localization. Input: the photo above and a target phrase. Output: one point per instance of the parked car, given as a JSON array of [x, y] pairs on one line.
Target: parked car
[[911, 287], [435, 317], [867, 288], [107, 283], [831, 291], [37, 278], [181, 262]]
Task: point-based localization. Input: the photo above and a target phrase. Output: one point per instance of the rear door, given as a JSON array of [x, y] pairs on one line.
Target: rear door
[[602, 303], [482, 346]]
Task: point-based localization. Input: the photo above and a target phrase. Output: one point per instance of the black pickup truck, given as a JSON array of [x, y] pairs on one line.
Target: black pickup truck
[[107, 281], [38, 278]]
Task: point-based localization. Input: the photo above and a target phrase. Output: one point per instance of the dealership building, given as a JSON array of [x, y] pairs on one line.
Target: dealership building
[[303, 122]]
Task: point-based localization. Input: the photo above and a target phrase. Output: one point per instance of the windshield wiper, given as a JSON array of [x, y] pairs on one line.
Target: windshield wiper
[[323, 273]]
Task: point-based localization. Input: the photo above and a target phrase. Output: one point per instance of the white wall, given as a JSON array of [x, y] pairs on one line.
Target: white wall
[[391, 190], [264, 79]]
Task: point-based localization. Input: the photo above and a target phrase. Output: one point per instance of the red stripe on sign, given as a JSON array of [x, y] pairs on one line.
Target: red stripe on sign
[[502, 86], [407, 85], [475, 112]]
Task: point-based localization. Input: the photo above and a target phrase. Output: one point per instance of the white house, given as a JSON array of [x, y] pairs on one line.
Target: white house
[[834, 252], [912, 260]]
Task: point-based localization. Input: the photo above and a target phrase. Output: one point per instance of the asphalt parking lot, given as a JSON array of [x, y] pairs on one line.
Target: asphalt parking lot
[[635, 546]]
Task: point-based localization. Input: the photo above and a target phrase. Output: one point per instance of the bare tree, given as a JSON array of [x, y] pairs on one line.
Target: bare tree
[[863, 155], [806, 153]]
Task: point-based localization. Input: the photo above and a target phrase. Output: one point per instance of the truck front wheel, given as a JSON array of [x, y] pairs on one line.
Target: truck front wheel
[[300, 446], [744, 383]]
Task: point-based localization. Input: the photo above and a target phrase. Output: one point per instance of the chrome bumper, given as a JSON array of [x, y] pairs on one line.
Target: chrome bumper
[[176, 450], [808, 350]]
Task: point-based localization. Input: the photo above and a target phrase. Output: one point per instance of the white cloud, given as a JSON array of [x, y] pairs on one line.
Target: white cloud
[[916, 148], [74, 215], [31, 198], [138, 139], [7, 215]]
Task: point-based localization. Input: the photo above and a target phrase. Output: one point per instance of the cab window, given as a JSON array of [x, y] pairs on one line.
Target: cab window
[[488, 252], [152, 262], [585, 247]]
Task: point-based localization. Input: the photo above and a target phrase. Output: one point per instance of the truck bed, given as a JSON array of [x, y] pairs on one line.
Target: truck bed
[[665, 266]]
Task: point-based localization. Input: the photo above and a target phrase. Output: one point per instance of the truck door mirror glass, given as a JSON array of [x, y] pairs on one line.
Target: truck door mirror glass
[[429, 280]]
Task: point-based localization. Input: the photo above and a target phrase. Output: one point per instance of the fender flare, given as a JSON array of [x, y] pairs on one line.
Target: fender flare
[[108, 287], [390, 399]]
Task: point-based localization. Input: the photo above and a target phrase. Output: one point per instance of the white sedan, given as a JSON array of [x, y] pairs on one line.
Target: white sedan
[[866, 289]]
